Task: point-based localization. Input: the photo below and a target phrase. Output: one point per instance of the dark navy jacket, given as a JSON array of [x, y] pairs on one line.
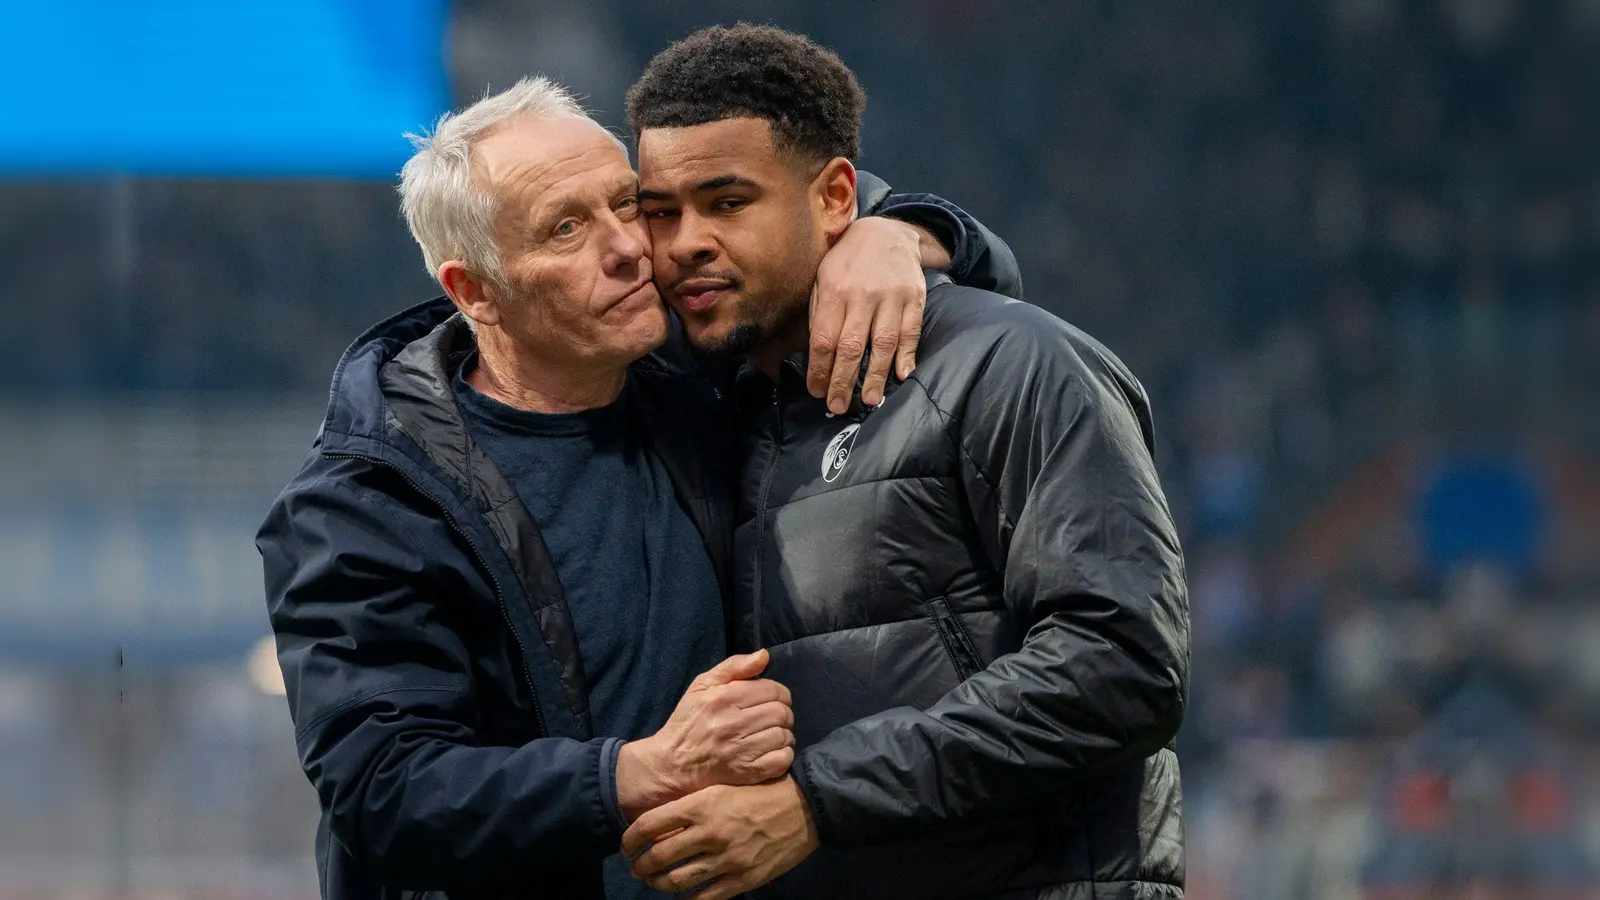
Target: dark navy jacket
[[424, 638]]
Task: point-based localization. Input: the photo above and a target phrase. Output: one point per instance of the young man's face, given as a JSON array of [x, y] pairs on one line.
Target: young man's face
[[738, 230], [573, 246]]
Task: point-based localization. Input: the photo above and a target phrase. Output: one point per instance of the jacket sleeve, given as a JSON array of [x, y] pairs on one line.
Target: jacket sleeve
[[364, 594], [978, 257], [1057, 470]]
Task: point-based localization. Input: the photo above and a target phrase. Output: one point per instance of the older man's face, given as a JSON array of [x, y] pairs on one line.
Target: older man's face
[[574, 248]]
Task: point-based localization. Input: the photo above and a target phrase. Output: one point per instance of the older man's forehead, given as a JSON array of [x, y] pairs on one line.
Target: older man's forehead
[[531, 160]]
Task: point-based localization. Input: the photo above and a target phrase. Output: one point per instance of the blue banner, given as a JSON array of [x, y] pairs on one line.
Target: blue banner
[[218, 87]]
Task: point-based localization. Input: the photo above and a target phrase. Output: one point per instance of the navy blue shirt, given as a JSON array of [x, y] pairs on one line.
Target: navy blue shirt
[[642, 591]]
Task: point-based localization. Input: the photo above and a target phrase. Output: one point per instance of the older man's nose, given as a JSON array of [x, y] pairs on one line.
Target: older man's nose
[[627, 244]]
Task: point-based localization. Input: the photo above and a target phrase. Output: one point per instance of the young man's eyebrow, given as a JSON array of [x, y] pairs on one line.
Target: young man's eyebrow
[[710, 184], [722, 181]]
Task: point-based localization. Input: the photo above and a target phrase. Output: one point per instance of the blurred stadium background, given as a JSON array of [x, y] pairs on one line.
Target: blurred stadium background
[[1350, 246]]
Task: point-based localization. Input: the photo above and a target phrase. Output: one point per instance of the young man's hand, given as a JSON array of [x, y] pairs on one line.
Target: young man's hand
[[724, 840], [729, 728], [870, 293]]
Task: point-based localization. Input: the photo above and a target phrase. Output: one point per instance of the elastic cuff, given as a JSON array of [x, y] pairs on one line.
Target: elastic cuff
[[608, 783], [802, 780], [945, 226]]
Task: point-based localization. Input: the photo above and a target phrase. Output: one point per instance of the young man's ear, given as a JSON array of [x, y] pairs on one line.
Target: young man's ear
[[467, 290], [835, 192]]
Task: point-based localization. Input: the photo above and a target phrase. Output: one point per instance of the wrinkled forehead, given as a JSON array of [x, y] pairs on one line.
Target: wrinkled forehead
[[524, 160]]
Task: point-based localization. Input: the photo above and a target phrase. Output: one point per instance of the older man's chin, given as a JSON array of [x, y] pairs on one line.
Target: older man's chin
[[649, 326]]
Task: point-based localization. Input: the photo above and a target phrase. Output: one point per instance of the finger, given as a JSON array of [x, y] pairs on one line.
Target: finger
[[655, 824], [847, 355], [773, 765], [692, 873], [885, 338], [756, 692], [827, 317], [647, 847], [905, 356], [720, 889], [769, 740], [734, 668], [748, 723], [671, 850]]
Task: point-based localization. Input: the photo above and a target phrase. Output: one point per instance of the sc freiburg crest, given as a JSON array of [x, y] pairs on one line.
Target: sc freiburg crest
[[838, 452]]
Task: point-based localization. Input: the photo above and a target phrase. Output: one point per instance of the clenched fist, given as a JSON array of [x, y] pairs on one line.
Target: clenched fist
[[729, 728]]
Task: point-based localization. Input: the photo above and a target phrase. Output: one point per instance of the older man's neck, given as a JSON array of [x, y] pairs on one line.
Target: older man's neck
[[513, 376]]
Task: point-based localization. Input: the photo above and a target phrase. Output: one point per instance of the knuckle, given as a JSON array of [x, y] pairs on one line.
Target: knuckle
[[885, 340], [822, 343], [850, 345]]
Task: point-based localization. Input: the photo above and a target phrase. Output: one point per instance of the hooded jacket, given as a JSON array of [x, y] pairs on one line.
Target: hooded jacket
[[430, 660]]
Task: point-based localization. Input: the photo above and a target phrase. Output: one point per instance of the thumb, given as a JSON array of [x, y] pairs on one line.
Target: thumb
[[734, 668]]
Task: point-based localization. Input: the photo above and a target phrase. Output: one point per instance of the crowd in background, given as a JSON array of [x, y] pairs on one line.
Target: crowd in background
[[1350, 247]]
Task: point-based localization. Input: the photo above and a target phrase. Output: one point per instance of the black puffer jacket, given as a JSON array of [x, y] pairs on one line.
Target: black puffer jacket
[[977, 597]]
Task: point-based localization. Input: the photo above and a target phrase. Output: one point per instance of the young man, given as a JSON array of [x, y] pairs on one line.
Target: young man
[[973, 591], [496, 581]]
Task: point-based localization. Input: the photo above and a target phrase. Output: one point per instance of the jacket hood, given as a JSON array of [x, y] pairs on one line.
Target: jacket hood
[[356, 407]]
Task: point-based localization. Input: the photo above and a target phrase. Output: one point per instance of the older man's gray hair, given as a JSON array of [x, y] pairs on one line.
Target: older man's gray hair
[[451, 215]]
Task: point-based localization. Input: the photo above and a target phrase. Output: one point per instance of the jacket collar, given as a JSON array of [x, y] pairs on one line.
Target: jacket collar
[[420, 341], [754, 390]]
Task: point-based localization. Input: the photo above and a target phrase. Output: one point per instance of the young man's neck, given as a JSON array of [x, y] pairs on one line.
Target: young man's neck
[[768, 357], [512, 375]]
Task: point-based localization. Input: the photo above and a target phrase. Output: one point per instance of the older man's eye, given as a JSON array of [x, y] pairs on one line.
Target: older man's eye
[[566, 228]]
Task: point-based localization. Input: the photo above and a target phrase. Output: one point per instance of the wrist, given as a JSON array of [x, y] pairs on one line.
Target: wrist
[[937, 230], [903, 236], [644, 782], [796, 800]]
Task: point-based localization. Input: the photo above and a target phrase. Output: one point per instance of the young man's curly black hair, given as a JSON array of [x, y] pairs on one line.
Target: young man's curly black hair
[[808, 94]]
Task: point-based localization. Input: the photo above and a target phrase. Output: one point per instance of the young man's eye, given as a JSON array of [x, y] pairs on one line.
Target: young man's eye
[[728, 204], [661, 213]]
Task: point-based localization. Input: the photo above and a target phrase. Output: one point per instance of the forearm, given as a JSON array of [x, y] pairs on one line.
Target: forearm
[[434, 814], [977, 256], [1035, 722]]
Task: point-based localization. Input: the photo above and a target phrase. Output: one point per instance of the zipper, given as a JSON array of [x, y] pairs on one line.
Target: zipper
[[761, 515], [499, 592], [957, 644]]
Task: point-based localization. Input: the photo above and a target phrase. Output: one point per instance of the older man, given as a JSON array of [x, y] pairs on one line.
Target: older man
[[497, 582]]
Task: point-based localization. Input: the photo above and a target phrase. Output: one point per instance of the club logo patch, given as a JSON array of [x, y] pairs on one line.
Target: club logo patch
[[838, 452]]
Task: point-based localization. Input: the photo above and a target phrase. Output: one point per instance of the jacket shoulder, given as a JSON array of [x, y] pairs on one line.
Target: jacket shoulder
[[970, 334], [330, 489]]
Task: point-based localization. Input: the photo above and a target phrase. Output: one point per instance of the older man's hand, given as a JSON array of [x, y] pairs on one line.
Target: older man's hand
[[723, 840], [729, 728], [869, 293]]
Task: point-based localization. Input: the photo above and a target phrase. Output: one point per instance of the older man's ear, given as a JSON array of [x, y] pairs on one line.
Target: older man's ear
[[467, 290]]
